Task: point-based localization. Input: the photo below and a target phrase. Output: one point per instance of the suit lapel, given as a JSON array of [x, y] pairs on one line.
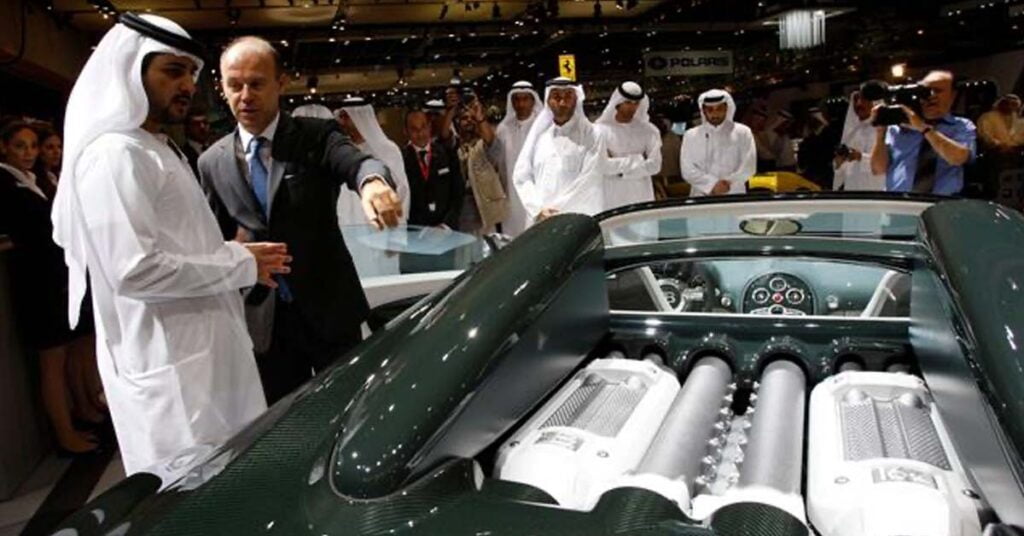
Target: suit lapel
[[234, 185], [284, 129], [276, 173]]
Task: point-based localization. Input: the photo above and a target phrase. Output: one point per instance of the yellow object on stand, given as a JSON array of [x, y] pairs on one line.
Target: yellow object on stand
[[780, 182]]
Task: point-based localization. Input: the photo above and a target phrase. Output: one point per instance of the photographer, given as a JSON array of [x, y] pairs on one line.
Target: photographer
[[924, 154], [455, 100], [485, 204]]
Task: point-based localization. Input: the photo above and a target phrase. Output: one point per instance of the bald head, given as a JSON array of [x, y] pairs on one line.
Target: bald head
[[938, 76], [252, 45]]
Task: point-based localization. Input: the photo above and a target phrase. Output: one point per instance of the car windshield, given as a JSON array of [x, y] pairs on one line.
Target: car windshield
[[411, 249], [870, 219]]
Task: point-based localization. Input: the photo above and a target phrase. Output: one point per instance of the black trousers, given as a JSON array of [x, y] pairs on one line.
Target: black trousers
[[298, 352]]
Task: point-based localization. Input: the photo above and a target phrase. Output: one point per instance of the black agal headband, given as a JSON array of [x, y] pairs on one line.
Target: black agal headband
[[171, 39], [624, 90]]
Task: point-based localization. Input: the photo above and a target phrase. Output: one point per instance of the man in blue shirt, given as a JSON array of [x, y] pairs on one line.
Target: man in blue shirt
[[926, 154]]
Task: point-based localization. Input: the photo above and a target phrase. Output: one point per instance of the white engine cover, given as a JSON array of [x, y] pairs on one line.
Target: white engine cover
[[880, 462], [594, 430]]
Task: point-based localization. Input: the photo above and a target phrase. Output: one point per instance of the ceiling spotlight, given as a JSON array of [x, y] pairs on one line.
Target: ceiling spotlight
[[495, 11], [597, 8], [340, 19], [898, 70], [312, 84], [444, 12], [620, 4]]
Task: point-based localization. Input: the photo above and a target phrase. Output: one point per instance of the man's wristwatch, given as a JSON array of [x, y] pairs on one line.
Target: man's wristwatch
[[926, 130]]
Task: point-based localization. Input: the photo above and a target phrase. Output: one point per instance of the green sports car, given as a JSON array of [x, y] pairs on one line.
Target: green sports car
[[833, 364]]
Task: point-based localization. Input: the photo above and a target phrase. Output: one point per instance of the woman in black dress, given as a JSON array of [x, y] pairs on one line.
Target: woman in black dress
[[40, 284]]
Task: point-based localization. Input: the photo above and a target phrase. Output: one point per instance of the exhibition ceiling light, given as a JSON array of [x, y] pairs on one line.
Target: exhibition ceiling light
[[802, 28]]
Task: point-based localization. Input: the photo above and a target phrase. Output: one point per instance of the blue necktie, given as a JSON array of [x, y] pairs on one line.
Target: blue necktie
[[258, 173]]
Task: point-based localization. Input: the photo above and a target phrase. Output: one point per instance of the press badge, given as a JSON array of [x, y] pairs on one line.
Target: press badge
[[442, 171], [432, 206]]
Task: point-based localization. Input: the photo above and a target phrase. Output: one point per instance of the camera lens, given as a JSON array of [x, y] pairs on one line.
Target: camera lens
[[874, 90]]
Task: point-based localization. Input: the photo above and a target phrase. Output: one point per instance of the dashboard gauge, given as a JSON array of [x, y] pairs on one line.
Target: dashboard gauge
[[673, 294], [778, 293]]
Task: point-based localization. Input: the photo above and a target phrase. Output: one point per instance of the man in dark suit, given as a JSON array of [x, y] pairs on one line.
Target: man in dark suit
[[278, 176], [436, 186]]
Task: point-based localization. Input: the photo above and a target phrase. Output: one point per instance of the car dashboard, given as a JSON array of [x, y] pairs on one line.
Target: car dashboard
[[761, 286]]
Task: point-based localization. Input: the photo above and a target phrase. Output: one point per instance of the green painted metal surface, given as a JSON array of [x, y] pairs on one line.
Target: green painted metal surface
[[979, 248]]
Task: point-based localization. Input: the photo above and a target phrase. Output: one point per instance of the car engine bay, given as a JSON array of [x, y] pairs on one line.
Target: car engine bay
[[879, 460]]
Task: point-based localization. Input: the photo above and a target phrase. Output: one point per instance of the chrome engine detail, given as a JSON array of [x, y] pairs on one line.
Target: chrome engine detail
[[759, 459]]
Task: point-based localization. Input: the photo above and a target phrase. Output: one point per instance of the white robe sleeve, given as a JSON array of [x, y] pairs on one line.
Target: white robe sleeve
[[118, 191], [638, 166], [839, 176], [747, 151], [524, 181], [688, 158]]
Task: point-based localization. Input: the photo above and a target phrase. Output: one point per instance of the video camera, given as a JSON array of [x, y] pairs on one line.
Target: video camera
[[910, 95]]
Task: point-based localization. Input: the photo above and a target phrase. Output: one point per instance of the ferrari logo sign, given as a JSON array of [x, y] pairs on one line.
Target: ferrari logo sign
[[567, 66]]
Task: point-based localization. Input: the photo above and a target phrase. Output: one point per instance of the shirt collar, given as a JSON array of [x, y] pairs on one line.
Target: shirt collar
[[26, 179], [268, 133], [417, 148]]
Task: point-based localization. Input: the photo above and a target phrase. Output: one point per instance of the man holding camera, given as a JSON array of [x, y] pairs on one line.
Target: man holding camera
[[485, 204], [924, 152], [852, 161]]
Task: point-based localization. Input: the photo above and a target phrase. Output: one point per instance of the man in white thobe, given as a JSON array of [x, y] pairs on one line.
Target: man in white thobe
[[522, 107], [358, 120], [779, 144], [560, 168], [316, 111], [172, 347], [853, 165], [719, 156], [634, 147]]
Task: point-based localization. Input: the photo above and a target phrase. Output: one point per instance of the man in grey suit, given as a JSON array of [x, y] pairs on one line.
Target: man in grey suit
[[278, 177]]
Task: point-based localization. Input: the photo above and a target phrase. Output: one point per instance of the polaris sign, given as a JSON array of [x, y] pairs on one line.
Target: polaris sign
[[688, 63]]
